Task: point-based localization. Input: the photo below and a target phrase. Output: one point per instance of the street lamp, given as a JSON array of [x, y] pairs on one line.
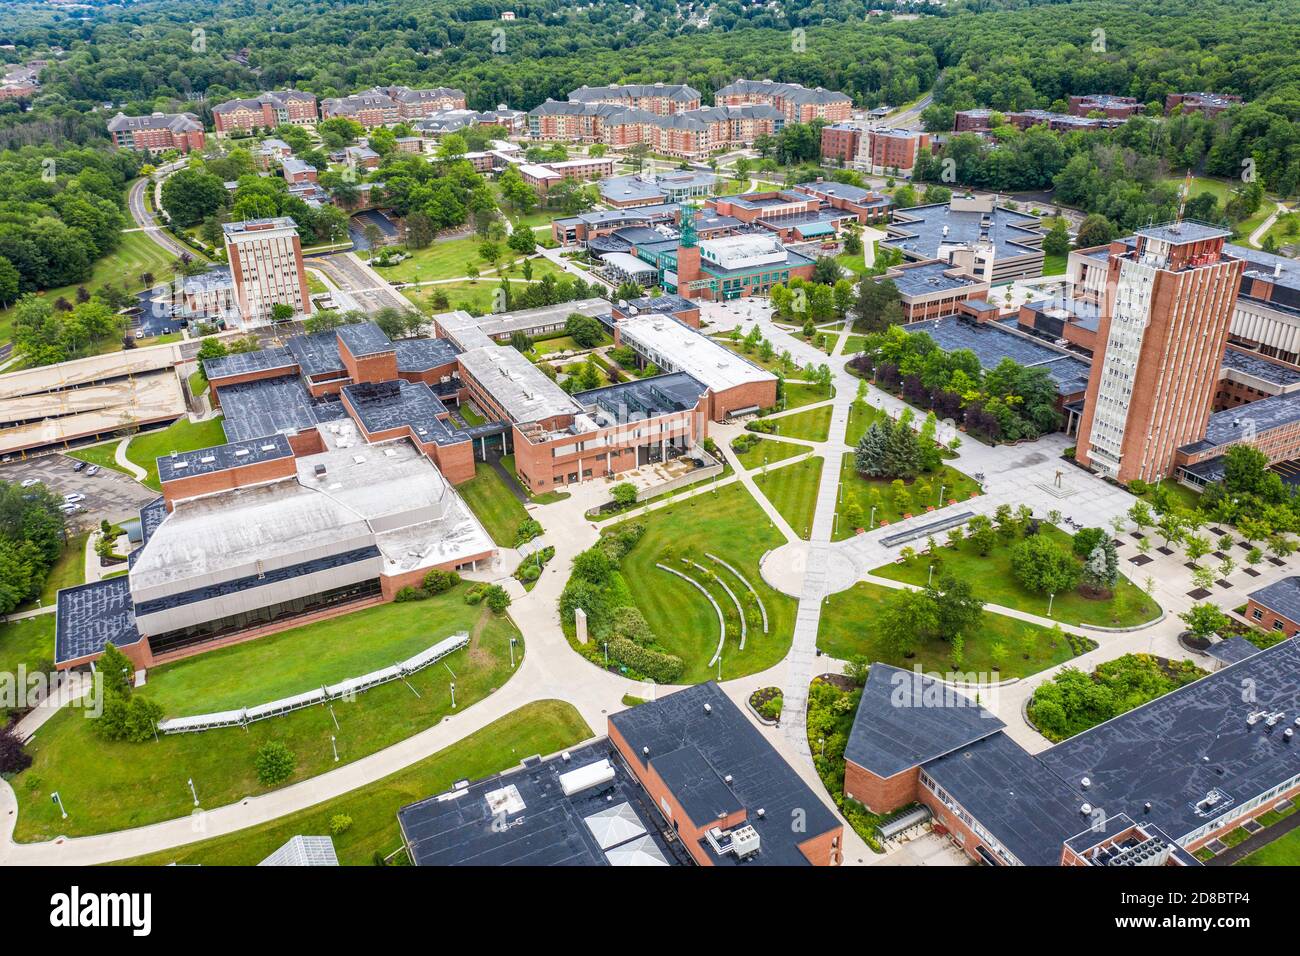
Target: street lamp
[[194, 793], [1050, 598], [940, 502], [930, 577], [58, 802], [512, 653], [335, 748], [872, 523]]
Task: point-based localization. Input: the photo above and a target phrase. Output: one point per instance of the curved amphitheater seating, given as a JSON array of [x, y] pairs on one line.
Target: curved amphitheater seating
[[343, 689]]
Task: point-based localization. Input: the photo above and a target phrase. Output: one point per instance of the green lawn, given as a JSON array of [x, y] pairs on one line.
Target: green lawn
[[814, 424], [878, 492], [182, 435], [469, 411], [726, 522], [198, 384], [447, 259], [114, 785], [854, 344], [1284, 851], [68, 571], [473, 296], [861, 415], [136, 254], [996, 583], [792, 490], [542, 727], [28, 642], [1055, 265], [856, 264], [1026, 648], [321, 653], [799, 394], [494, 504], [766, 451]]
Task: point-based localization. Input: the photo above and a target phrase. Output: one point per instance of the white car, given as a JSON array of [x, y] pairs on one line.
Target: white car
[[28, 482], [73, 498], [92, 470]]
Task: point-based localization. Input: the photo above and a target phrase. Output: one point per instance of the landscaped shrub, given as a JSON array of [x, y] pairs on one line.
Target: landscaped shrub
[[409, 593], [340, 823], [497, 598], [13, 758], [438, 581], [1043, 566], [659, 667], [273, 763], [528, 529]]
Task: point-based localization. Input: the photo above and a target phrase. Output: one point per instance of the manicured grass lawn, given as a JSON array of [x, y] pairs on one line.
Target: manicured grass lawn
[[854, 344], [855, 488], [996, 583], [113, 785], [857, 263], [136, 253], [767, 451], [314, 284], [470, 413], [797, 395], [101, 455], [183, 435], [198, 384], [811, 425], [861, 415], [542, 727], [1182, 496], [1055, 265], [562, 343], [1284, 851], [308, 657], [772, 364], [793, 491], [729, 523], [29, 642], [473, 296], [68, 571], [494, 504], [846, 632], [441, 260]]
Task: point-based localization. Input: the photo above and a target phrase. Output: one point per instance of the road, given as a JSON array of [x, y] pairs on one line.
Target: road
[[911, 115], [145, 220]]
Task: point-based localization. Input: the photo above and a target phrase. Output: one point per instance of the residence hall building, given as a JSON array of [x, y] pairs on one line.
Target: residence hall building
[[1168, 776], [1211, 104], [265, 257], [1276, 607], [663, 99], [796, 103], [265, 111], [685, 779], [880, 150], [545, 176], [1164, 324], [157, 132], [383, 106], [1114, 107]]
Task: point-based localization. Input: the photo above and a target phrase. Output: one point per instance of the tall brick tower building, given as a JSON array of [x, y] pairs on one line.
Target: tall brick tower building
[[1164, 322], [688, 251], [265, 258]]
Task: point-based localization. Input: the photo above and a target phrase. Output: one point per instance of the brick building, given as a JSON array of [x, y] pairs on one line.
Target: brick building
[[1211, 104], [663, 99], [687, 134], [1276, 607], [544, 176], [265, 257], [1112, 107], [880, 150], [797, 103], [157, 132], [1162, 332], [915, 740], [265, 111]]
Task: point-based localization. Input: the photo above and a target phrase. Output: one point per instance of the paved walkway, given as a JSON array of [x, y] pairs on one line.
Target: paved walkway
[[126, 464]]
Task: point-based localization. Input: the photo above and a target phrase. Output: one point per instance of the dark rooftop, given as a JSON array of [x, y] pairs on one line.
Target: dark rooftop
[[1024, 805], [929, 277], [1282, 597], [541, 826], [1254, 364], [206, 461], [89, 617], [151, 516], [920, 231], [660, 394], [420, 355], [727, 744], [1232, 650], [381, 406], [267, 406], [241, 363], [906, 719], [317, 353], [991, 343], [364, 338], [1180, 233], [1253, 420], [1190, 744]]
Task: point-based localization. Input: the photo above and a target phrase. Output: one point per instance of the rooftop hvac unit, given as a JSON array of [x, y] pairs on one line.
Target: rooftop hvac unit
[[745, 842], [584, 778]]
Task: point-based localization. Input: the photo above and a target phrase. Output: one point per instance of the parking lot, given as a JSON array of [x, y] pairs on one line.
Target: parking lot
[[109, 494]]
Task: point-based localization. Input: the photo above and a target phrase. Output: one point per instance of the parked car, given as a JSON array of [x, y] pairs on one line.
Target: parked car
[[74, 497], [77, 466], [28, 482], [92, 470]]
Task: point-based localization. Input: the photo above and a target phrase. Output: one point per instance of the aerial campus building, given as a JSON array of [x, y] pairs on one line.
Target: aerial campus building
[[265, 257], [336, 487], [1150, 786], [685, 779]]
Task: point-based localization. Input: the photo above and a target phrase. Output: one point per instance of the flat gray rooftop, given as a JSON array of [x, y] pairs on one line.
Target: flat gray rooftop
[[91, 616], [992, 343], [207, 461], [920, 231], [281, 404]]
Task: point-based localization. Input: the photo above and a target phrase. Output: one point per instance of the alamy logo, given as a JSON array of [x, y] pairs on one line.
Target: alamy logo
[[76, 909]]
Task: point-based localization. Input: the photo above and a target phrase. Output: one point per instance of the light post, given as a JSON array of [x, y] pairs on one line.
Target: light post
[[453, 695], [872, 523], [821, 743], [194, 793], [929, 578], [512, 653], [1050, 598], [939, 504], [58, 802], [606, 646], [334, 747]]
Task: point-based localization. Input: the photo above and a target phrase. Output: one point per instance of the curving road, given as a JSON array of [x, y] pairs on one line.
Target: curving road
[[144, 219]]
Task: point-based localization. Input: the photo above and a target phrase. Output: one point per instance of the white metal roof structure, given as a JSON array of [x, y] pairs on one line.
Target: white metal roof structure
[[615, 825], [676, 347], [584, 778], [304, 851], [517, 385], [639, 852]]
